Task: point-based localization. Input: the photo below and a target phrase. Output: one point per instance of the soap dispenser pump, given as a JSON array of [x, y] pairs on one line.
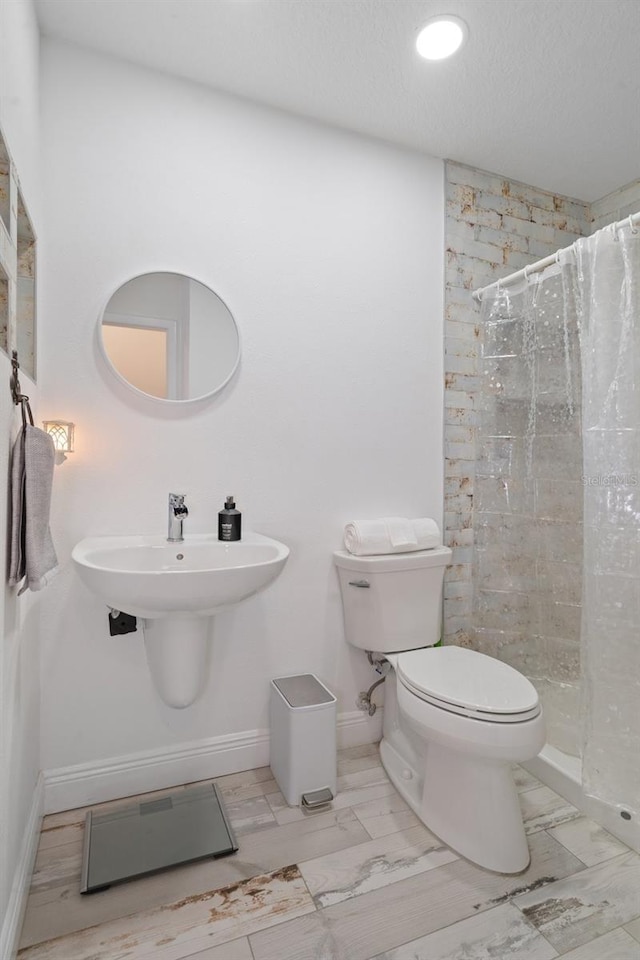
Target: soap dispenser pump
[[229, 521]]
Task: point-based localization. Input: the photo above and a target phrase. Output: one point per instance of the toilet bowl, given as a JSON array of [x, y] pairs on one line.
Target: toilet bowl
[[454, 719]]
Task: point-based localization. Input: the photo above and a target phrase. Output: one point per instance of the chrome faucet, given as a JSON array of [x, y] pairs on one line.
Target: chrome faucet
[[177, 513]]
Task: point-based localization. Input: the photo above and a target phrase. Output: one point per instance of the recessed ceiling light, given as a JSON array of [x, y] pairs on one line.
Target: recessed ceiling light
[[440, 37]]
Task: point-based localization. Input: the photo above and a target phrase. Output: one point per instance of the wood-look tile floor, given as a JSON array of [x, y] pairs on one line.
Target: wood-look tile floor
[[362, 880]]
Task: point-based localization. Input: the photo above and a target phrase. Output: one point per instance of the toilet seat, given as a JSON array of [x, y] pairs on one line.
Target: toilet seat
[[468, 683]]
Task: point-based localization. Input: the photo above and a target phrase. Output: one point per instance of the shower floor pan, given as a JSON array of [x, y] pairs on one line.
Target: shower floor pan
[[142, 838]]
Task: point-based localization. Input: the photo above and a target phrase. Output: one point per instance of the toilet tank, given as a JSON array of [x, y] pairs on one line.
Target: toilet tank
[[392, 602]]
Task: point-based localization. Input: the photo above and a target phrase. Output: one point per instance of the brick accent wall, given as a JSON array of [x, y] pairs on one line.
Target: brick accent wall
[[616, 206], [493, 227]]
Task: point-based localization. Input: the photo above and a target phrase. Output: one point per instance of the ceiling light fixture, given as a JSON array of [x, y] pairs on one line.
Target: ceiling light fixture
[[441, 36]]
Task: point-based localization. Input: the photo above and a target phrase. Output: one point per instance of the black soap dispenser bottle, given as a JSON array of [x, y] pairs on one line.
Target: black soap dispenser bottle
[[229, 521]]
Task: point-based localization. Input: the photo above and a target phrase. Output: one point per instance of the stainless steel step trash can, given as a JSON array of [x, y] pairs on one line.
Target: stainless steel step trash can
[[303, 740]]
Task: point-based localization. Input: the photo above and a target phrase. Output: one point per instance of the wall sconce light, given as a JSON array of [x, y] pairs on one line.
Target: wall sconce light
[[61, 432]]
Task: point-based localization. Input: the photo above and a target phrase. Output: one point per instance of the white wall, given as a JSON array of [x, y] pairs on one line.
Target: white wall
[[328, 249], [19, 652]]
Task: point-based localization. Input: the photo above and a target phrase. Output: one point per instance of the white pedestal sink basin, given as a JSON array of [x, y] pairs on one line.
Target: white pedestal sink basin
[[200, 575], [176, 588]]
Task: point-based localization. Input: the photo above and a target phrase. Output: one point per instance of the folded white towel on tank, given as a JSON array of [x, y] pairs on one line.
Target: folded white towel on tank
[[391, 535]]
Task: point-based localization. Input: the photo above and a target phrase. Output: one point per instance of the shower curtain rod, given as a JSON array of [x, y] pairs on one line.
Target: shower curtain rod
[[546, 262]]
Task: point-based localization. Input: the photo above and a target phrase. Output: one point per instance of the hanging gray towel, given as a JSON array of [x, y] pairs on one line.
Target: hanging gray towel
[[33, 555]]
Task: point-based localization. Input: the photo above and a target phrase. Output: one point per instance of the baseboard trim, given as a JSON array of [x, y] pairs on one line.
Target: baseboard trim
[[83, 784], [12, 923], [356, 728], [87, 783]]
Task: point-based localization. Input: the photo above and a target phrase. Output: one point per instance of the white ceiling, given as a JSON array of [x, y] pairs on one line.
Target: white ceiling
[[544, 91]]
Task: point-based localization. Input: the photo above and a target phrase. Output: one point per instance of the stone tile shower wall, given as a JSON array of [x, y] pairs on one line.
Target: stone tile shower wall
[[495, 226], [616, 206]]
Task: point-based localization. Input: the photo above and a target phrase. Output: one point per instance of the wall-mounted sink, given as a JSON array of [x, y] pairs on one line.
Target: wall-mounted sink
[[152, 578], [176, 588]]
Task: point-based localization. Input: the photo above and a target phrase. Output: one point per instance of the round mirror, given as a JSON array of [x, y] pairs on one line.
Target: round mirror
[[170, 337]]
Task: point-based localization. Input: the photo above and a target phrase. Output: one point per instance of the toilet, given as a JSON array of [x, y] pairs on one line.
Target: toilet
[[454, 719]]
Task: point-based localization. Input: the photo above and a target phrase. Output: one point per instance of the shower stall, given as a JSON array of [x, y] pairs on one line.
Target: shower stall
[[556, 564]]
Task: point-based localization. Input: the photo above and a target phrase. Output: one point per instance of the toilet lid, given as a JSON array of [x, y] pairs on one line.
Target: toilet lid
[[466, 681]]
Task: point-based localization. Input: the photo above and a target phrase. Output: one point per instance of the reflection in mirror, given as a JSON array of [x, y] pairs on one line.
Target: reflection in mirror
[[170, 337], [26, 292]]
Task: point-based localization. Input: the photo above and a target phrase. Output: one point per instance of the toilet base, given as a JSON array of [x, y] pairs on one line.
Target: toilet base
[[471, 805]]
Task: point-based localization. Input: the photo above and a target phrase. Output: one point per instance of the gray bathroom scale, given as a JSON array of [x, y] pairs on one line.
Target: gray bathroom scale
[[142, 838]]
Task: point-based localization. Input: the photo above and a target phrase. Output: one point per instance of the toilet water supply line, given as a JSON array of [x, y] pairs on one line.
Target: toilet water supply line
[[364, 701]]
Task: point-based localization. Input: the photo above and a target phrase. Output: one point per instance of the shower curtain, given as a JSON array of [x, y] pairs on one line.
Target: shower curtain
[[604, 280], [557, 500]]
